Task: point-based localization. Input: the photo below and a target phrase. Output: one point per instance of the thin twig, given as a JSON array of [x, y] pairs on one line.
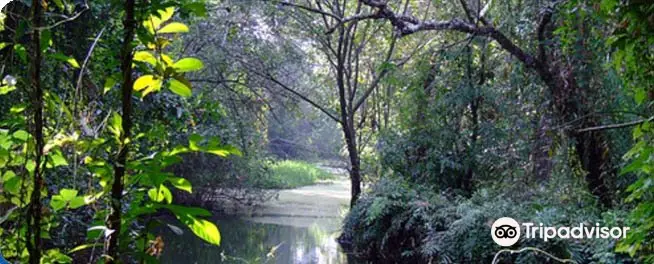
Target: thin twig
[[68, 19], [614, 126]]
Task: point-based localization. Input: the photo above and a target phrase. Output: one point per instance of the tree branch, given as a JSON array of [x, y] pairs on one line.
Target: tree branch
[[615, 126], [407, 25], [375, 82], [304, 98], [310, 9]]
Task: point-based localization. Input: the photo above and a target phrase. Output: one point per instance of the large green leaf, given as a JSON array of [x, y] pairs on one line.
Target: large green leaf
[[174, 27], [180, 88], [160, 194], [181, 183], [61, 57], [185, 210], [10, 182], [188, 65], [145, 56], [202, 228], [67, 197], [147, 84], [154, 21]]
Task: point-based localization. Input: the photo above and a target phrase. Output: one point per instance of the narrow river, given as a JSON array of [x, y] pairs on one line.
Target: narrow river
[[299, 227]]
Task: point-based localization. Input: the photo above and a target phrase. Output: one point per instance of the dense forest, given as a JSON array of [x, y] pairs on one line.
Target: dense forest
[[126, 124]]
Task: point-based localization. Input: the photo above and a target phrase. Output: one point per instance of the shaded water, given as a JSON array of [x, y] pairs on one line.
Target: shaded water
[[245, 241], [299, 227]]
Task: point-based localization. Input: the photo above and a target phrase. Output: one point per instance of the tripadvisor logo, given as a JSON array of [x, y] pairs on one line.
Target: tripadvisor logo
[[3, 3], [506, 231]]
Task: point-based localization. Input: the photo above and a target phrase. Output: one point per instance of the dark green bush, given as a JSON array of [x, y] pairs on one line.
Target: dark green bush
[[399, 223]]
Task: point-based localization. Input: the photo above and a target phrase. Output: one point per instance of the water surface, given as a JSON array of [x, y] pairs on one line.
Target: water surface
[[300, 227]]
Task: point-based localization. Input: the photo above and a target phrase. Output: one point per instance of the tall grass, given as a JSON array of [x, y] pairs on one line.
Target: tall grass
[[293, 173]]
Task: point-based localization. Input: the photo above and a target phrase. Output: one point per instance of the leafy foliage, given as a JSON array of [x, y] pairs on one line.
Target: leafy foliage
[[291, 174]]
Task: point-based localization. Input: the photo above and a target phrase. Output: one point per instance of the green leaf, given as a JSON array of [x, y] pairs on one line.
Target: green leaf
[[202, 228], [640, 96], [198, 8], [144, 56], [59, 4], [116, 125], [10, 182], [57, 160], [180, 88], [5, 89], [160, 194], [61, 57], [84, 246], [108, 84], [147, 83], [154, 21], [223, 151], [184, 210], [188, 65], [46, 39], [67, 197], [194, 142], [68, 194], [21, 135], [54, 256], [181, 183], [174, 27], [76, 202], [21, 52]]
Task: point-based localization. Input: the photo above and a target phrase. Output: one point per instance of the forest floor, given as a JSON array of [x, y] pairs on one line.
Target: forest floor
[[323, 204]]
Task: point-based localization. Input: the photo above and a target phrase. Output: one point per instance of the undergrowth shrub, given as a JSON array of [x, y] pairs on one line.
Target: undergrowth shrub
[[397, 222], [291, 174]]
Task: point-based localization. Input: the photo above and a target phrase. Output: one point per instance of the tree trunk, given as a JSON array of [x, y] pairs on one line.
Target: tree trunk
[[114, 219], [593, 153], [34, 213], [355, 164]]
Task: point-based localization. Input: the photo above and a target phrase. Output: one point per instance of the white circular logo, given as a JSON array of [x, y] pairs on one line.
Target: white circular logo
[[505, 231], [3, 3]]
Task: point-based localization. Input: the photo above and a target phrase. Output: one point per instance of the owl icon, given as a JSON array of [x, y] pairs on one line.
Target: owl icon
[[505, 231]]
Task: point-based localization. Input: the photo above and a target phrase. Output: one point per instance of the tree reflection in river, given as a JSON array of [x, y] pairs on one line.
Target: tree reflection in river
[[249, 242]]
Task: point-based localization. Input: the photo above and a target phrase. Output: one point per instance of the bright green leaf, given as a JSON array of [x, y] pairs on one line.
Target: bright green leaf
[[174, 27], [144, 56], [194, 142], [147, 83], [59, 4], [181, 183], [108, 84], [188, 65], [180, 88], [68, 194], [202, 228], [61, 57], [10, 182], [21, 135], [160, 194], [57, 159], [184, 210], [21, 52]]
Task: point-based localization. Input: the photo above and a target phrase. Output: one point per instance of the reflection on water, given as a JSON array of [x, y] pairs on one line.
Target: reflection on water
[[248, 242]]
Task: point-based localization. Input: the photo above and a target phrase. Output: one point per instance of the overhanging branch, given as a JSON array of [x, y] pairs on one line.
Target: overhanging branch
[[615, 126], [304, 98], [406, 25]]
